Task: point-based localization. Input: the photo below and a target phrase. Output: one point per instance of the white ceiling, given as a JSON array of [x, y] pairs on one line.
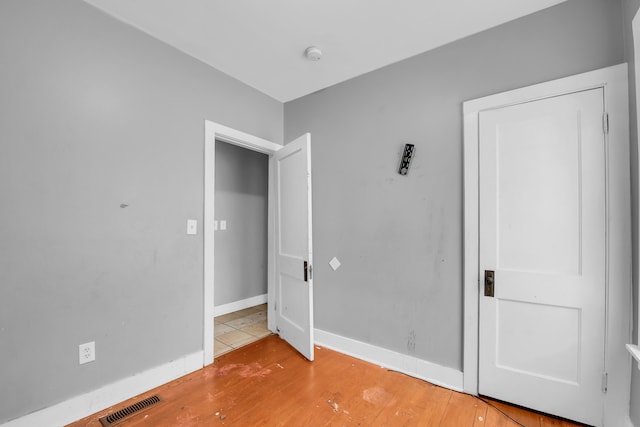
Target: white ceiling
[[261, 42]]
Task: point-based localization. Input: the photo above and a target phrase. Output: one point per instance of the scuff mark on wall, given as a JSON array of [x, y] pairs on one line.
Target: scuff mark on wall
[[123, 205], [411, 342]]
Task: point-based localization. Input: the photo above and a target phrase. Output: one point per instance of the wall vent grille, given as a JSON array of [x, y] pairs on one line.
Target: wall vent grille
[[116, 417]]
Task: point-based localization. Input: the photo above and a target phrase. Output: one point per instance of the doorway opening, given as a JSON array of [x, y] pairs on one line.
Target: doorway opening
[[241, 246], [215, 132], [289, 236]]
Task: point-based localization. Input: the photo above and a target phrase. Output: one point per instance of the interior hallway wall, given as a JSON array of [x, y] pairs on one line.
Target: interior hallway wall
[[241, 198], [101, 165], [630, 8], [399, 238]]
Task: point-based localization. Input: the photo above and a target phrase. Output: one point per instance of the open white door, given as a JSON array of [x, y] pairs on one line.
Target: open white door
[[293, 272]]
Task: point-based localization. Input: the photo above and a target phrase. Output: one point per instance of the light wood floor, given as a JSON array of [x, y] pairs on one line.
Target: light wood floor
[[267, 383]]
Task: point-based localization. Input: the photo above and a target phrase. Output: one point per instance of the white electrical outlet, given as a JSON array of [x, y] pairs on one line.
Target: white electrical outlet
[[87, 352], [192, 226]]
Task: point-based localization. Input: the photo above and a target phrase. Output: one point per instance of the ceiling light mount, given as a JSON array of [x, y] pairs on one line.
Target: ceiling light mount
[[313, 53]]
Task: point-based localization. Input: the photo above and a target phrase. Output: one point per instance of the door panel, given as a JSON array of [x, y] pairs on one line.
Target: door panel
[[546, 156], [517, 349], [294, 282], [542, 230]]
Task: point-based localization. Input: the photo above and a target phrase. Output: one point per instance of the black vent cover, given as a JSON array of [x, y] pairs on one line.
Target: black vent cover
[[112, 419]]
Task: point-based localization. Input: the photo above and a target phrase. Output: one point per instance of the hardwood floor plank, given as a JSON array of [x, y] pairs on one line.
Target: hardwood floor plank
[[495, 418], [529, 418], [481, 417], [526, 418], [462, 410], [411, 400], [267, 383]]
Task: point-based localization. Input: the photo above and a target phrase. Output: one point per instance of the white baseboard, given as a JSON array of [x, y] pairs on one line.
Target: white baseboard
[[89, 403], [239, 305], [435, 374]]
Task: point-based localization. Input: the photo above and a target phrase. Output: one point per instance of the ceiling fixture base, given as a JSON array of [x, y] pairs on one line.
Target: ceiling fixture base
[[313, 53]]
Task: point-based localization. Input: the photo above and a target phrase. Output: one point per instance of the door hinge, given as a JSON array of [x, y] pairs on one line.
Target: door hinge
[[605, 123], [605, 380], [308, 271]]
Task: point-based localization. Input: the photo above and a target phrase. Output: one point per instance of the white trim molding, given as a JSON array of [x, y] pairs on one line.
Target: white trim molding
[[87, 404], [635, 352], [409, 365], [223, 309], [614, 82], [216, 132], [635, 28]]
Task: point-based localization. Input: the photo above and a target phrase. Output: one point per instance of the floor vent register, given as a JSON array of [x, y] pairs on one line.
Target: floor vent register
[[116, 417]]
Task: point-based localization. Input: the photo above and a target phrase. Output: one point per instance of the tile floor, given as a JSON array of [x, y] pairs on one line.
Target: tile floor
[[240, 328]]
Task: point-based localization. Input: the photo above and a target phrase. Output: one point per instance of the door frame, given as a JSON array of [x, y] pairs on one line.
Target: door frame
[[614, 82], [216, 132]]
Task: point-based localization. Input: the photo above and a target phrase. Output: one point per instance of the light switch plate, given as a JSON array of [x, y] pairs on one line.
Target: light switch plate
[[334, 263], [223, 224], [192, 226]]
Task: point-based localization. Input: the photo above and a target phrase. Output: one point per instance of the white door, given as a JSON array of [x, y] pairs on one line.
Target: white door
[[542, 233], [294, 281]]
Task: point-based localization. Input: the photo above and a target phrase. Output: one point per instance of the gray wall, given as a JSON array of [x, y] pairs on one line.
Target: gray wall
[[241, 197], [95, 115], [400, 238], [630, 8]]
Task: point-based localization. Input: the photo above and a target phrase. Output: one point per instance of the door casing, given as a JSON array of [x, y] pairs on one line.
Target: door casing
[[216, 132], [618, 215]]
